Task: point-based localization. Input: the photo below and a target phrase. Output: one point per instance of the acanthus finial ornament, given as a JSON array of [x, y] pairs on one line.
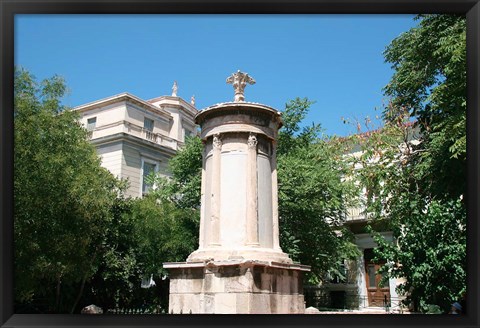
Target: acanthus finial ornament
[[192, 100], [174, 89], [217, 142], [252, 141], [239, 80]]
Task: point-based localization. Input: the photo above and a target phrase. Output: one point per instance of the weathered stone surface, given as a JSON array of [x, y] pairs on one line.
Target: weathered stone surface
[[236, 287], [91, 309], [312, 310]]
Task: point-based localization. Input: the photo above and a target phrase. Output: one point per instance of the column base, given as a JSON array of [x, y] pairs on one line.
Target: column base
[[233, 287], [251, 252]]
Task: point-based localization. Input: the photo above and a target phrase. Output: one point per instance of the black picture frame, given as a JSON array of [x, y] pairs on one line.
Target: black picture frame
[[9, 8]]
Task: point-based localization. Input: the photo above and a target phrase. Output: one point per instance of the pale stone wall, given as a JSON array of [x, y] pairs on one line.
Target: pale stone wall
[[136, 114], [109, 119], [232, 197], [122, 141], [241, 287], [265, 213], [183, 114], [132, 165], [131, 169], [111, 157]]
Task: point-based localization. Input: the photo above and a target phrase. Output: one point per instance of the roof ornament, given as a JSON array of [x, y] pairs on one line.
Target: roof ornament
[[239, 81], [192, 100], [174, 89]]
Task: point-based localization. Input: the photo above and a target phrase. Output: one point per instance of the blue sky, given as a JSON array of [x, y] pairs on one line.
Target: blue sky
[[335, 60]]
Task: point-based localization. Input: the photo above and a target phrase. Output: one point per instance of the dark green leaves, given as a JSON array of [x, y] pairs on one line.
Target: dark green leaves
[[62, 196], [419, 189]]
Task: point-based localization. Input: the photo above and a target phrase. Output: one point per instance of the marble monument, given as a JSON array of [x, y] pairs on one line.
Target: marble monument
[[239, 266]]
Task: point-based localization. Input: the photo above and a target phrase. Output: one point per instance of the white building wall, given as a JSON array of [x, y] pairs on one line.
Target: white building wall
[[123, 143], [131, 170], [176, 126], [112, 162], [136, 115], [109, 119]]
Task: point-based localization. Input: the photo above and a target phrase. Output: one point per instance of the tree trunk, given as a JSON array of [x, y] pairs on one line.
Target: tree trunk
[[82, 286], [57, 294]]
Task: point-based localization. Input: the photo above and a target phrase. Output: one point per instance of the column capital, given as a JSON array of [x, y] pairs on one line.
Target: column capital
[[252, 140], [217, 141]]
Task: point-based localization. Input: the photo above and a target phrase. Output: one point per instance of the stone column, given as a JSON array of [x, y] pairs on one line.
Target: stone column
[[215, 197], [276, 241], [252, 197], [201, 239]]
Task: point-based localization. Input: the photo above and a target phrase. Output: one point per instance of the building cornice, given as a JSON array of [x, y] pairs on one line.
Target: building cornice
[[122, 97], [175, 102]]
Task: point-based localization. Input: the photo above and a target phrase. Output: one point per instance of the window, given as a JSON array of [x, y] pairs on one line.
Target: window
[[147, 169], [91, 123], [148, 124]]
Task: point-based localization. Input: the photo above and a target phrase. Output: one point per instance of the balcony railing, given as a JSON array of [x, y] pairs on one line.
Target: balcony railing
[[356, 213], [149, 135], [134, 130]]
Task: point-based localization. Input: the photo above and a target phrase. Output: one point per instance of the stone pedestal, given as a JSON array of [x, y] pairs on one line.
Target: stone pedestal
[[232, 287]]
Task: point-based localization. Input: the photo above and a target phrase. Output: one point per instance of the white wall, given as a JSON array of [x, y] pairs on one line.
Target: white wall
[[137, 114], [111, 157]]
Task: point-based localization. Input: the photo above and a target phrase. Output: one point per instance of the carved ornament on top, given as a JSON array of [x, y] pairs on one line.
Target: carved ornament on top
[[239, 81]]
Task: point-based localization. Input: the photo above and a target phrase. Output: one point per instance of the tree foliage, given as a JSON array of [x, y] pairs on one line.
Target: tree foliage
[[78, 240], [429, 84], [145, 234], [415, 173], [312, 194], [184, 186], [62, 197]]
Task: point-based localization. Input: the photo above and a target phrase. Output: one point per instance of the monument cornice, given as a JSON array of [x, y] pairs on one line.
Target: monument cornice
[[237, 128], [250, 108]]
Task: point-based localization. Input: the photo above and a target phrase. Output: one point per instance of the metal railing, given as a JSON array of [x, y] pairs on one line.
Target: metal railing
[[141, 310], [326, 302]]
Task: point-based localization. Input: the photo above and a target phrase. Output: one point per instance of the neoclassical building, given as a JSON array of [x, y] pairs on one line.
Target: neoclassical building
[[135, 137]]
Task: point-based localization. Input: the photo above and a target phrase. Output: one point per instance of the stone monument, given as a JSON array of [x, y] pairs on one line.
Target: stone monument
[[239, 266]]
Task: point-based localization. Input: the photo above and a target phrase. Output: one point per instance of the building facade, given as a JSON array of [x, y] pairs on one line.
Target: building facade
[[361, 286], [135, 137]]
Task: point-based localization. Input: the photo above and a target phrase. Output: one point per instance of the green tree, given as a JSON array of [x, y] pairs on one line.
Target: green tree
[[145, 234], [429, 84], [417, 183], [62, 197], [184, 187], [313, 194]]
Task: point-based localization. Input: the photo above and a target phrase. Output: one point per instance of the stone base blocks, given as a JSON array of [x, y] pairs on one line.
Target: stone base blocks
[[235, 286]]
